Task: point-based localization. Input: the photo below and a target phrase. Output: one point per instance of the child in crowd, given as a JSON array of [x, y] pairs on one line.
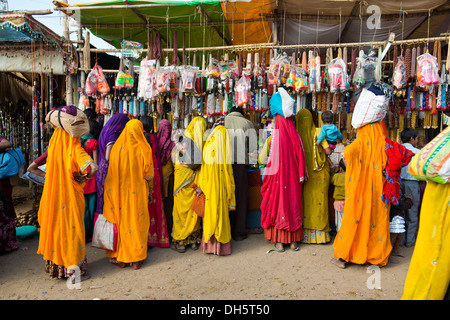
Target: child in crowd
[[329, 131], [410, 140], [90, 144], [397, 220], [338, 180]]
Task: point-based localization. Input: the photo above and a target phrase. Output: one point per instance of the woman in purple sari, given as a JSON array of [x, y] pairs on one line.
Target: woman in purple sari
[[108, 136], [165, 150]]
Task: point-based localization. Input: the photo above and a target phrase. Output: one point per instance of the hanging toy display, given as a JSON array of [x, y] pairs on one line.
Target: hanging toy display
[[147, 80], [337, 74], [298, 79], [399, 76], [279, 70], [427, 70], [242, 91]]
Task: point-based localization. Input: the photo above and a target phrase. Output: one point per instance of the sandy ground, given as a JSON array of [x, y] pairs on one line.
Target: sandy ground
[[251, 272]]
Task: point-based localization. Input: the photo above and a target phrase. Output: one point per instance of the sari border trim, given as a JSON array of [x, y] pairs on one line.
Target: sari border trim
[[184, 184]]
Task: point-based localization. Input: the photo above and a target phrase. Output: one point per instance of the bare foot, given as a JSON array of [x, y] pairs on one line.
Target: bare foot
[[393, 260], [397, 254], [340, 263]]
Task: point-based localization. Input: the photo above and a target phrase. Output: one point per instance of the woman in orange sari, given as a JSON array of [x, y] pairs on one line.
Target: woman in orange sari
[[127, 195], [61, 211], [364, 234]]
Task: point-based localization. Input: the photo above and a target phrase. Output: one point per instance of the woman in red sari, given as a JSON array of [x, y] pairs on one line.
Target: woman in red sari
[[281, 207], [158, 235]]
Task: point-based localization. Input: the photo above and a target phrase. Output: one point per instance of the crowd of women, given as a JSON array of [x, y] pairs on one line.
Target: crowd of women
[[147, 180]]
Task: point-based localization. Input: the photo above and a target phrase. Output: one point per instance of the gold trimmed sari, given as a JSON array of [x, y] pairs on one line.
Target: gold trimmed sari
[[186, 223]]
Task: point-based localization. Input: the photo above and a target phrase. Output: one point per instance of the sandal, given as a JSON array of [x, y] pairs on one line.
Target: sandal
[[120, 264], [137, 265], [296, 248], [178, 249], [276, 249], [194, 246]]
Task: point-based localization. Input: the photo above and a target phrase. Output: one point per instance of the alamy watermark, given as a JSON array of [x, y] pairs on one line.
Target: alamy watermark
[[374, 281]]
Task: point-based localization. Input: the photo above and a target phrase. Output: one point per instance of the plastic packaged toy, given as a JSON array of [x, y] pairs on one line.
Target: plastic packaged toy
[[399, 76], [427, 70], [242, 90], [337, 73]]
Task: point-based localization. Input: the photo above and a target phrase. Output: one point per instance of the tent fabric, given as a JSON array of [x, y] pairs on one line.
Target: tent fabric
[[19, 27], [108, 24], [252, 32], [41, 60], [23, 40], [321, 21]]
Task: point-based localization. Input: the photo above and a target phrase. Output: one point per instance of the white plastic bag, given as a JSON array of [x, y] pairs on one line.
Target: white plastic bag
[[105, 234]]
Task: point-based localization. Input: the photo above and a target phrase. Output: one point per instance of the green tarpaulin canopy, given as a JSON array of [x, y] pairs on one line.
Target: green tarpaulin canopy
[[200, 22]]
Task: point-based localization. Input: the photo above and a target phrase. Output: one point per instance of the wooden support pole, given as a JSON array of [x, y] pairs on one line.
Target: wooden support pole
[[69, 79]]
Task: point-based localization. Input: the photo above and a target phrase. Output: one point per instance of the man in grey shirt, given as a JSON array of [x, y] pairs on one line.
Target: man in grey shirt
[[241, 132], [410, 141]]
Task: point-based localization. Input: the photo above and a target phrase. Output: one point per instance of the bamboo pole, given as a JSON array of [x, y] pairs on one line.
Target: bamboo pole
[[81, 54], [170, 24], [68, 9], [274, 45], [66, 34]]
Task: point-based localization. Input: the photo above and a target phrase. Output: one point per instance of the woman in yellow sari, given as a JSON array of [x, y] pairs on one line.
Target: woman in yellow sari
[[216, 181], [186, 223], [316, 227], [429, 271], [127, 194], [61, 211], [364, 235]]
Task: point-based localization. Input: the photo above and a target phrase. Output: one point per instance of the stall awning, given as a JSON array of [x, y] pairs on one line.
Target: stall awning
[[211, 23], [28, 46], [18, 27], [215, 23]]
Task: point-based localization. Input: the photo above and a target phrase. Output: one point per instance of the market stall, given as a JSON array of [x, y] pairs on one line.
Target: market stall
[[33, 64], [202, 57], [180, 59]]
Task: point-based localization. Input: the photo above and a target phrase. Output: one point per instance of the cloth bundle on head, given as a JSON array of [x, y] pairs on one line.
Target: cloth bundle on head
[[398, 157], [283, 104], [70, 119]]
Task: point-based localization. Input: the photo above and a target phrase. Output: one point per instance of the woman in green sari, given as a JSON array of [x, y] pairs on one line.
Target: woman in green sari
[[316, 225]]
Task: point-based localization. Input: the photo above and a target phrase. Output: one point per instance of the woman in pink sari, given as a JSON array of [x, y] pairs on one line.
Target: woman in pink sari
[[158, 235], [281, 207]]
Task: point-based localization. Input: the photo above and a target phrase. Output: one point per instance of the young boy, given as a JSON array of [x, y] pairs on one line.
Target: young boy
[[410, 141], [329, 131], [397, 220], [338, 180]]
